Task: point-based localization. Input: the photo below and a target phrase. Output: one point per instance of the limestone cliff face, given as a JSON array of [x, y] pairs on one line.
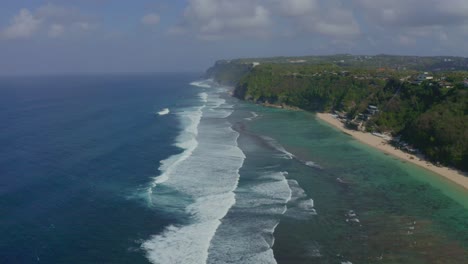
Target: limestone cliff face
[[241, 91], [228, 72]]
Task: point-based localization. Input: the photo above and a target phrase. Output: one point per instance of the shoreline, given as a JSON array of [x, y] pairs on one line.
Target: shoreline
[[381, 144]]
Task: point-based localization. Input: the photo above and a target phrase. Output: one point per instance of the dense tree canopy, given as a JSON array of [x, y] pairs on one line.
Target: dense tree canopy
[[431, 114]]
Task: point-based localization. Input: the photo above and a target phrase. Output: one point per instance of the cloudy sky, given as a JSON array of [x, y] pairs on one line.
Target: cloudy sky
[[63, 36]]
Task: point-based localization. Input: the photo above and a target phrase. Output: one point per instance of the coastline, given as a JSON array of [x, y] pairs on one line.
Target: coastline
[[381, 144]]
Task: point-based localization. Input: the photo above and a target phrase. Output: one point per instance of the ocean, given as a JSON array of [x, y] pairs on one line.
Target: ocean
[[168, 168]]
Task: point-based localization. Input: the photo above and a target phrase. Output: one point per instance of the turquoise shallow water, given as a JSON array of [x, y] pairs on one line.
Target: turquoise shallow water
[[371, 207]]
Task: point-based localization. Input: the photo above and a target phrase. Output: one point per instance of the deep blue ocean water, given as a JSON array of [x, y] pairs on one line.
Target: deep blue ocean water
[[159, 168], [74, 151], [132, 169]]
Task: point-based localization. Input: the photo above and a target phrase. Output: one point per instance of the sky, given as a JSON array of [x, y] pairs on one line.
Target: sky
[[95, 36]]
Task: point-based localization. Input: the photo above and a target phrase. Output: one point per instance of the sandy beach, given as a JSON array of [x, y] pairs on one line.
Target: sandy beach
[[381, 144]]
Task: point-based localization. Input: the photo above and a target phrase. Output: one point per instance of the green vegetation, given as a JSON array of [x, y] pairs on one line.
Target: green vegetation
[[429, 111], [370, 62], [227, 72], [441, 132]]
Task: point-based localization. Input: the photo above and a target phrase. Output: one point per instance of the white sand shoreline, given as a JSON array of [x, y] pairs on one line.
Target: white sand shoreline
[[381, 144]]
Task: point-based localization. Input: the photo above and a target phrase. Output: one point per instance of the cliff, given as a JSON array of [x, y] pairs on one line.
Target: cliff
[[427, 110], [228, 72]]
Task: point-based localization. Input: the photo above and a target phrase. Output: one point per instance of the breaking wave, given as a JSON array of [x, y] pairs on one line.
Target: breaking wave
[[254, 115], [207, 171], [164, 111]]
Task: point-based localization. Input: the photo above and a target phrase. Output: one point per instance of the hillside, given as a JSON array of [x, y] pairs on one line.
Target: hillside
[[423, 101]]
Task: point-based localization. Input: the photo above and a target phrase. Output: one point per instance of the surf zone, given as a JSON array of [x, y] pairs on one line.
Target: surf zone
[[206, 173]]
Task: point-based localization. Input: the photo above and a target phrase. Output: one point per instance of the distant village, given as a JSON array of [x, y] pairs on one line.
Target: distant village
[[380, 74]]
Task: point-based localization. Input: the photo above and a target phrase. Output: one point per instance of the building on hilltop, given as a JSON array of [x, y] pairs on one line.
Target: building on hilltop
[[372, 109], [423, 77]]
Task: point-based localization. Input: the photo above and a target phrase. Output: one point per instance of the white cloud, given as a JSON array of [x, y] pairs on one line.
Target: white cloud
[[454, 7], [415, 13], [215, 19], [150, 19], [420, 22], [298, 7], [322, 18], [334, 22], [56, 30], [54, 12], [48, 20], [211, 19], [338, 30], [23, 25], [176, 30], [82, 25], [406, 40]]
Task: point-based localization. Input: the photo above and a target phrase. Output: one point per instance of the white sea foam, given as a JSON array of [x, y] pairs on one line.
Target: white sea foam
[[186, 140], [164, 111], [208, 83], [208, 172], [254, 115], [204, 97], [273, 191], [218, 107], [247, 236], [286, 154], [313, 165], [300, 205], [274, 144], [181, 244]]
